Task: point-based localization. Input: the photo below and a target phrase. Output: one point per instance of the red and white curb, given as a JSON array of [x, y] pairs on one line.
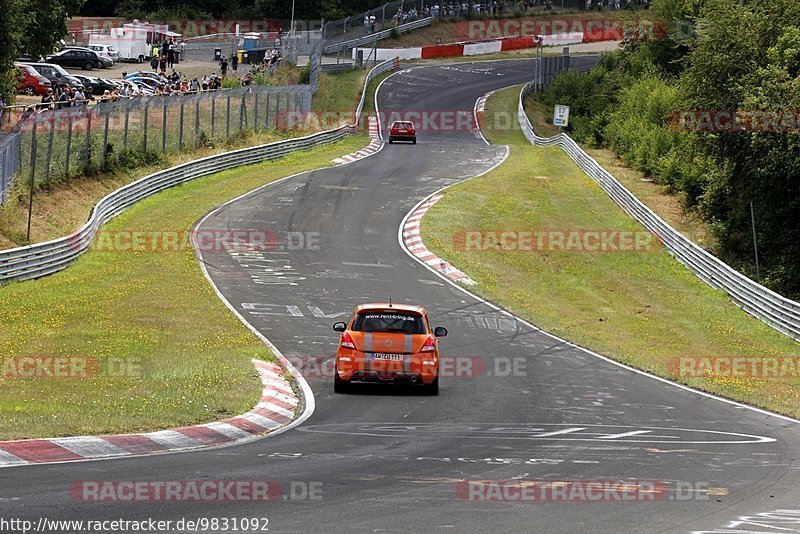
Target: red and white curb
[[374, 145], [414, 244], [276, 409]]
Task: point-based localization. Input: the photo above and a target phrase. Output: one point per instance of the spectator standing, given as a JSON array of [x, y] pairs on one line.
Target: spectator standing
[[170, 53], [235, 62], [162, 64], [154, 63], [224, 66], [194, 85], [63, 98], [48, 99]]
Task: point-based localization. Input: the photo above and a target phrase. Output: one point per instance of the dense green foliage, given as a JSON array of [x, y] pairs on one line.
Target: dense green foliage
[[31, 26], [736, 57]]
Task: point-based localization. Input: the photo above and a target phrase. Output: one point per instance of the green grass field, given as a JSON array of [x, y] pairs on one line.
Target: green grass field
[[159, 348], [169, 352], [639, 307]]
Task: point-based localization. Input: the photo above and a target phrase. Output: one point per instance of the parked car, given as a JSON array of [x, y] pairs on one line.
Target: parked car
[[106, 60], [81, 58], [142, 74], [105, 51], [96, 85], [56, 74], [145, 82], [31, 82]]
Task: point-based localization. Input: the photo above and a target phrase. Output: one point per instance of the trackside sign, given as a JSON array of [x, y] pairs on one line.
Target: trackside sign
[[561, 116]]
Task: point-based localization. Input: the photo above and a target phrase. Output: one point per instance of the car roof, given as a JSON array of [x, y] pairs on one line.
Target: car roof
[[383, 306]]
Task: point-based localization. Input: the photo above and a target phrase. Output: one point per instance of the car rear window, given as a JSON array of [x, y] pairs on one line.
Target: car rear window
[[406, 125], [389, 321]]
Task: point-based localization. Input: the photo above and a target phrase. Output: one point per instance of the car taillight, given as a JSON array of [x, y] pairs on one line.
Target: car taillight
[[430, 344], [347, 341]]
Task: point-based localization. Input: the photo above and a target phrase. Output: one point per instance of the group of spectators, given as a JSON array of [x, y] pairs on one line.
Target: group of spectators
[[165, 56]]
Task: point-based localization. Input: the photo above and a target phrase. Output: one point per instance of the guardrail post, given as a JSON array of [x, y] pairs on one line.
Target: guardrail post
[[180, 128], [105, 139]]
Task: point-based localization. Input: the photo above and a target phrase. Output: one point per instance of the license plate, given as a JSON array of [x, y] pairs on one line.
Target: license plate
[[388, 357]]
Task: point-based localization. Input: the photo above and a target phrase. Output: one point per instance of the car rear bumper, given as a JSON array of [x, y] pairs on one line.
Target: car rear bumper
[[419, 368], [402, 137]]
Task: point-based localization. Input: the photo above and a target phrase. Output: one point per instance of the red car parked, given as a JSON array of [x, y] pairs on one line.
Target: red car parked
[[31, 82]]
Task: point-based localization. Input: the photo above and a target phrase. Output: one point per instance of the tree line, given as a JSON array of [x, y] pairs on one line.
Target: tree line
[[712, 111]]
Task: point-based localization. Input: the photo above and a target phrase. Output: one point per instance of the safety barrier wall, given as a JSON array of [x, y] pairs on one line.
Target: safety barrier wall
[[377, 36], [777, 311]]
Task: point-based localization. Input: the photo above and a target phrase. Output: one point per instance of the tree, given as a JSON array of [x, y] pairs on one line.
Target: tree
[[33, 27]]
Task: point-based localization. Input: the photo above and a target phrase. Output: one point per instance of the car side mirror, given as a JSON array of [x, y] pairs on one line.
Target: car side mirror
[[340, 327], [440, 331]]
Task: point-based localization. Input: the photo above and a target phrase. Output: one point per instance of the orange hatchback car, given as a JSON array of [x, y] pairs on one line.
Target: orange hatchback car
[[388, 343]]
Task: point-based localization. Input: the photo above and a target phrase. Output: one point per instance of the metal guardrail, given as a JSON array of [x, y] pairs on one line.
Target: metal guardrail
[[777, 311], [377, 36], [40, 259]]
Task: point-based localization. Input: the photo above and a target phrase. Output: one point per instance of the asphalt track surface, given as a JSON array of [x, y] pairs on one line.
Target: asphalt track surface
[[388, 460]]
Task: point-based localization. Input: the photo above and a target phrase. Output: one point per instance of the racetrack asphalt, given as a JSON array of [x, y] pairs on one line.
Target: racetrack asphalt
[[522, 406]]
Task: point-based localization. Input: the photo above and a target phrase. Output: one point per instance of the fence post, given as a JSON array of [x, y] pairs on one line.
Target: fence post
[[213, 112], [105, 138], [163, 125], [50, 147], [266, 109], [196, 120], [87, 154], [125, 134], [228, 118], [243, 114], [255, 112], [180, 127], [144, 143], [33, 177], [277, 109], [69, 147]]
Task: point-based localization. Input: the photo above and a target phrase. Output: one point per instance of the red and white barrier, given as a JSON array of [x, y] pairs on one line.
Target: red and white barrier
[[488, 47]]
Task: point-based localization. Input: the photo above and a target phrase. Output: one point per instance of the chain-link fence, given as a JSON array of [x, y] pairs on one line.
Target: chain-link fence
[[9, 162], [56, 144]]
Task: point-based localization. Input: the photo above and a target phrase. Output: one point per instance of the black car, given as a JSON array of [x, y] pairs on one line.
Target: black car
[[77, 58], [56, 74], [96, 86]]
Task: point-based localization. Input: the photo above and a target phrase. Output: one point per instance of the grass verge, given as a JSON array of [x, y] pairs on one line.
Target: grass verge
[[160, 348], [642, 308]]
